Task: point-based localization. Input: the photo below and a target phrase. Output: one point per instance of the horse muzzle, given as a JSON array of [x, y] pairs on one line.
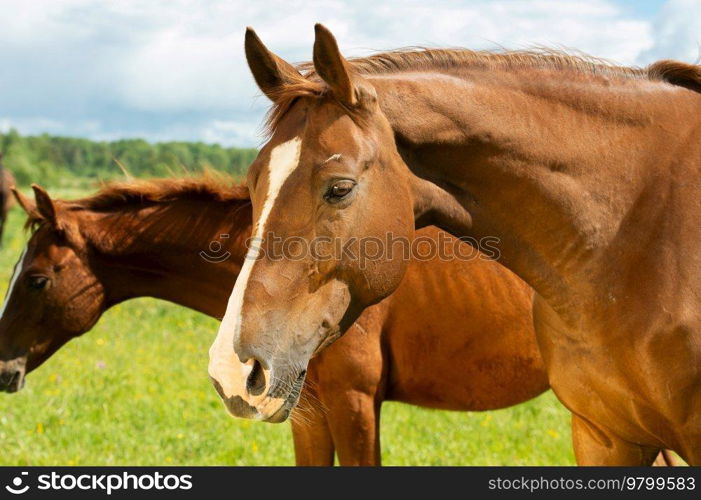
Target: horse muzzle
[[12, 375], [275, 406]]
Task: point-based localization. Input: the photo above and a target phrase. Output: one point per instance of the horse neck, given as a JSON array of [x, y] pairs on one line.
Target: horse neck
[[166, 251], [552, 168]]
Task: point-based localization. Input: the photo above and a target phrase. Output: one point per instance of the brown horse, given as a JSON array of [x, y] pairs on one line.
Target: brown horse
[[586, 172], [146, 239], [7, 181]]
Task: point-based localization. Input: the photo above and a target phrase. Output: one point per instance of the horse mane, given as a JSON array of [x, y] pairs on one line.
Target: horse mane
[[425, 59], [120, 194], [422, 59], [677, 73]]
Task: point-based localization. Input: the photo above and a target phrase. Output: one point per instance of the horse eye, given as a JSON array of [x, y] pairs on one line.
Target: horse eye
[[339, 190], [38, 282]]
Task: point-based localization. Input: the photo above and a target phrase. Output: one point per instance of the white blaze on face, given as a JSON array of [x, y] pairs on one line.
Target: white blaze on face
[[13, 280], [224, 364]]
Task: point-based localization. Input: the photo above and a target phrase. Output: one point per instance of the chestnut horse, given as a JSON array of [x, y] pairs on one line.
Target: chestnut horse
[[147, 239], [587, 173]]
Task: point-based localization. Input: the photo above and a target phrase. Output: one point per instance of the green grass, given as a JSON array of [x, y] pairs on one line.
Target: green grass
[[135, 390]]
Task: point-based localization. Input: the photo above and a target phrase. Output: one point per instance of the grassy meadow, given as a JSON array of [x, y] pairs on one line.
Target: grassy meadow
[[135, 391]]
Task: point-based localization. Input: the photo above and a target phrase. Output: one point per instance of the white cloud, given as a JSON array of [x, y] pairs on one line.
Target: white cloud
[[195, 60], [231, 132], [177, 66]]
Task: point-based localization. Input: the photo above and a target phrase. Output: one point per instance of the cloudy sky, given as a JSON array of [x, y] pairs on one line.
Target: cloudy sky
[[175, 69]]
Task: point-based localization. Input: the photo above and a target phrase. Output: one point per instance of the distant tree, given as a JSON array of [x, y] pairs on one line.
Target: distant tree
[[52, 160]]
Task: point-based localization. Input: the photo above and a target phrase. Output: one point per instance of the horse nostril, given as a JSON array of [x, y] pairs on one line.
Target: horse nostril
[[255, 383], [10, 380]]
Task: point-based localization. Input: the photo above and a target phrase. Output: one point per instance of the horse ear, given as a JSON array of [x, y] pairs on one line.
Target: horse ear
[[434, 206], [45, 206], [269, 71], [27, 205], [333, 68]]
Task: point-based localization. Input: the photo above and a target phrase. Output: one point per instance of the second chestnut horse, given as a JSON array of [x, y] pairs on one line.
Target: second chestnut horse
[[172, 239]]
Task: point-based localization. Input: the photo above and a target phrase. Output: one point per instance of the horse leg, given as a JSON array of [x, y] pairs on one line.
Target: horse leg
[[312, 439], [349, 380], [355, 425], [595, 446]]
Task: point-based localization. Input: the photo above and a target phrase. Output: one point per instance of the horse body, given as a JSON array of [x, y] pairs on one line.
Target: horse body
[[477, 375], [146, 240], [454, 336]]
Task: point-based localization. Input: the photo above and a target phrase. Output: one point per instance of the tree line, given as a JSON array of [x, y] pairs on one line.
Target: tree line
[[57, 161]]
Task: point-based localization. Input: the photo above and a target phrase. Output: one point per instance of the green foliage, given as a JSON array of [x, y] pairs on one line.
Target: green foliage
[[63, 161], [135, 391]]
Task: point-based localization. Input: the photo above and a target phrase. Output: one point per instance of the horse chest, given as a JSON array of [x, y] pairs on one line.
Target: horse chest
[[634, 384]]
